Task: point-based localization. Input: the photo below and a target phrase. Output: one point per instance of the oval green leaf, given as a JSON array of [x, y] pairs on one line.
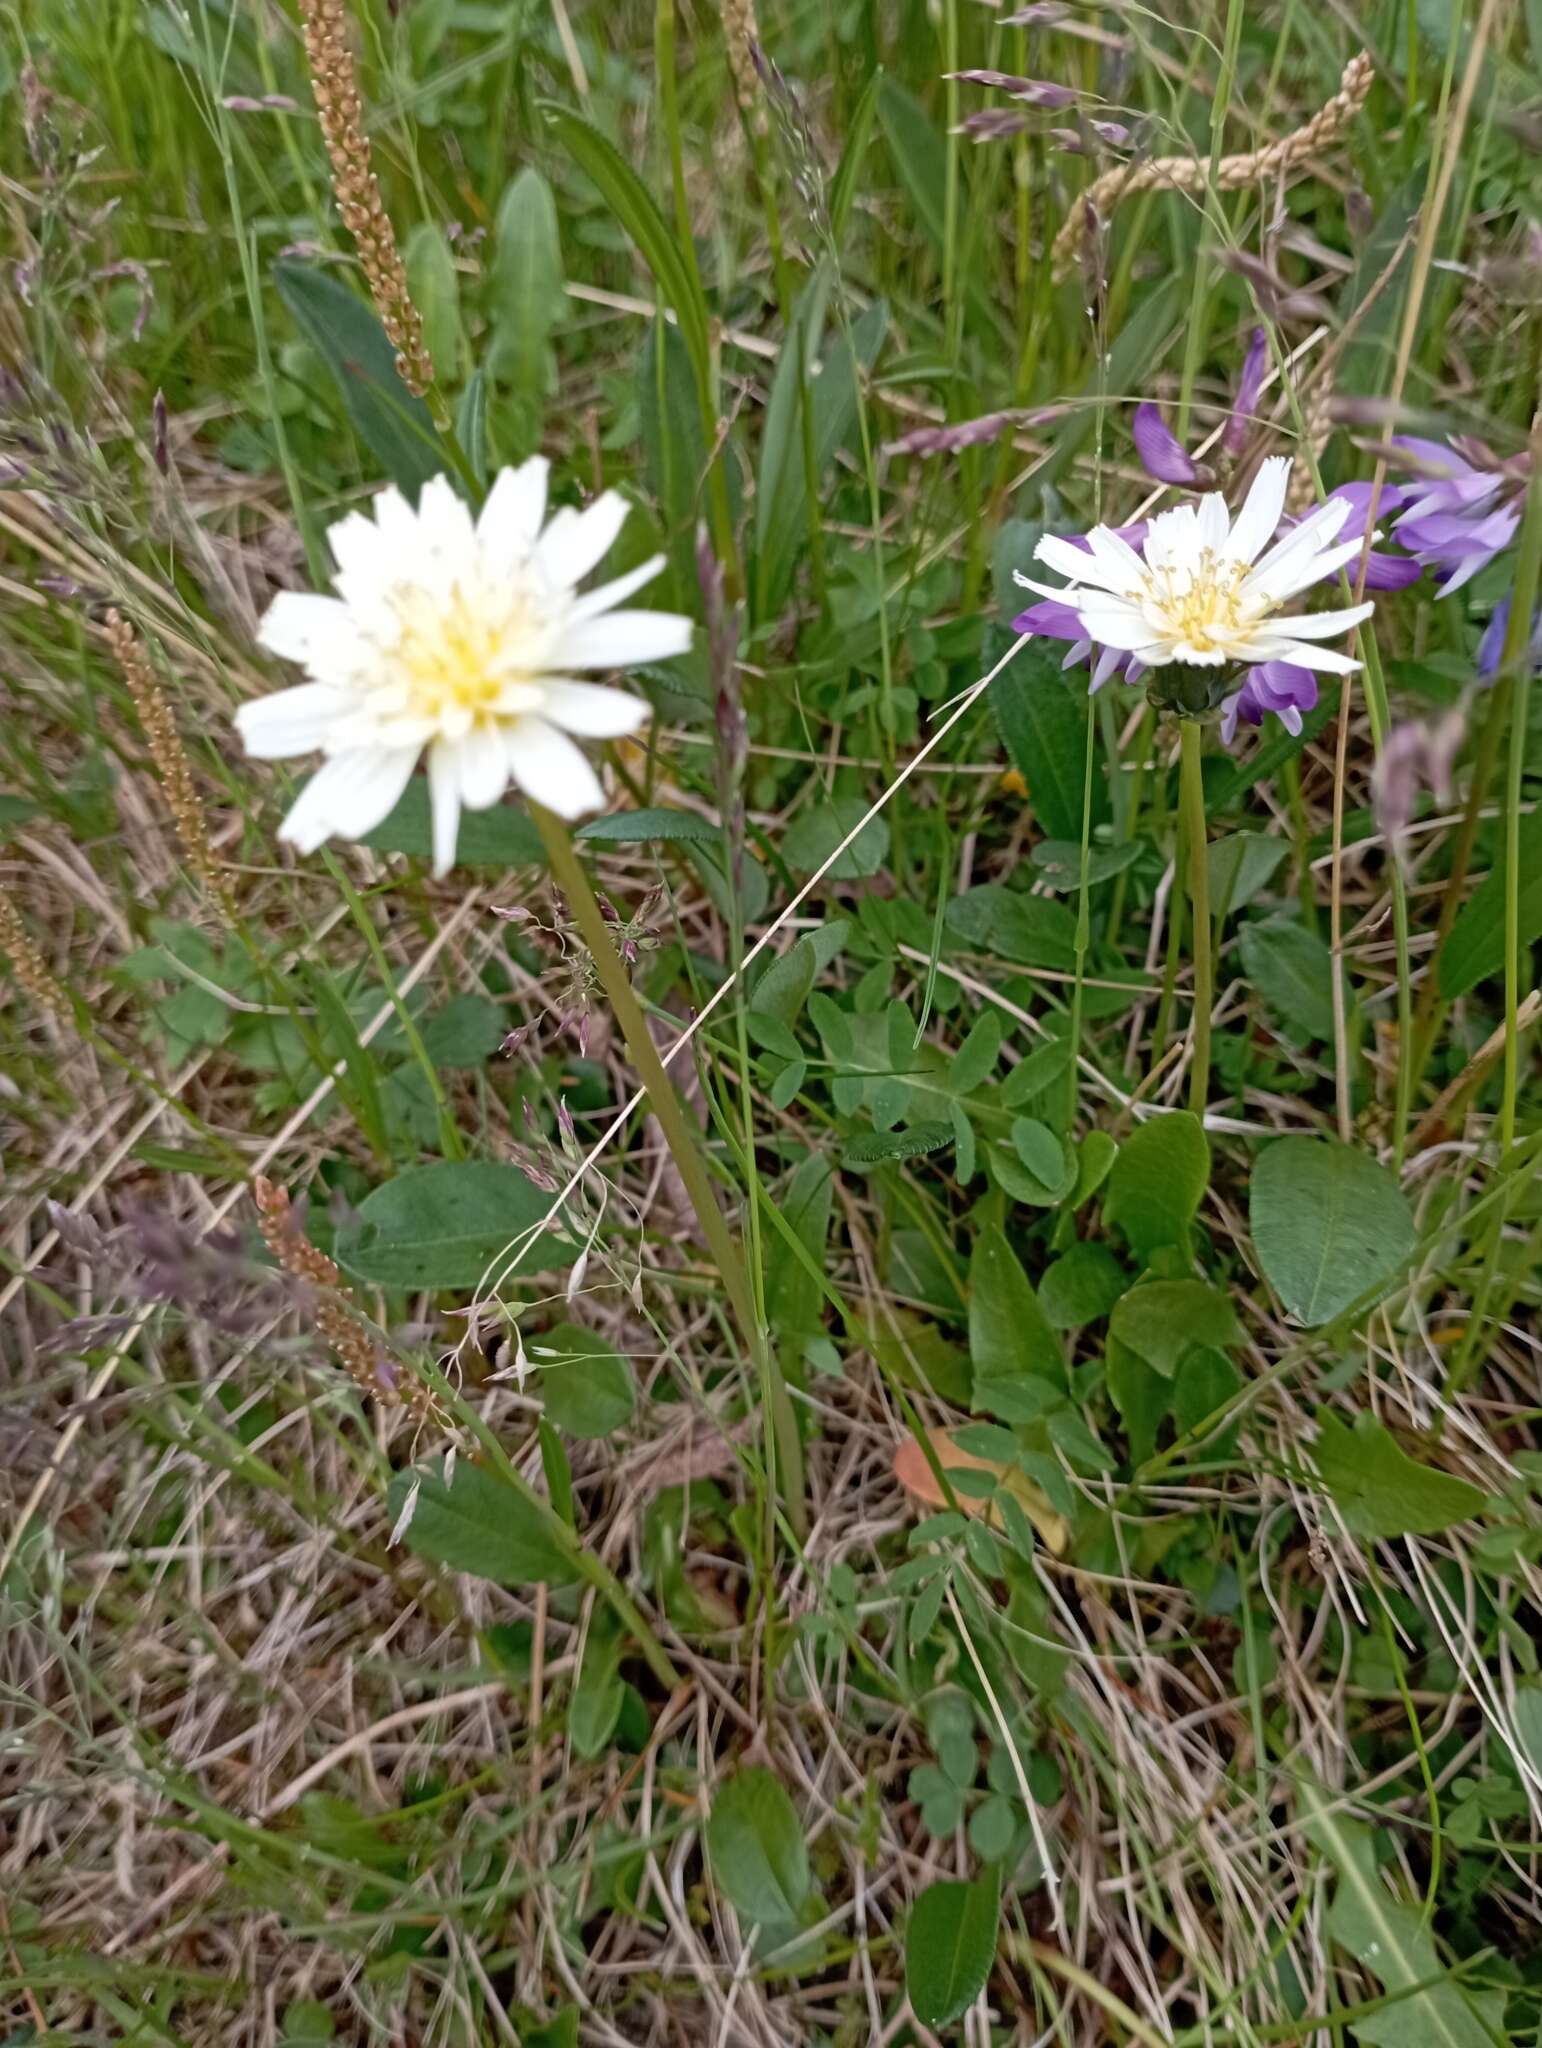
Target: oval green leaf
[[1330, 1226], [950, 1946], [444, 1226]]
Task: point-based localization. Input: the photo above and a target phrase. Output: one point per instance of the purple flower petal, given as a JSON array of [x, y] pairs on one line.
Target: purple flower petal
[[1161, 452], [1051, 621], [1492, 646], [1391, 572], [1249, 385]]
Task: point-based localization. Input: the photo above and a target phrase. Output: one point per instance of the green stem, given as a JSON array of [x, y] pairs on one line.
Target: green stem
[[1519, 661], [686, 1149], [593, 1570], [1192, 804]]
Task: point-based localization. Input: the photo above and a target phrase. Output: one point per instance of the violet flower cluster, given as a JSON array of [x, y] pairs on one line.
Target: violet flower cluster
[[1282, 663]]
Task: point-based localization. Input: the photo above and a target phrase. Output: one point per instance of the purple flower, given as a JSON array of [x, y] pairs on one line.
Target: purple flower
[[1162, 454], [1249, 389], [1491, 647], [1463, 505], [1277, 686]]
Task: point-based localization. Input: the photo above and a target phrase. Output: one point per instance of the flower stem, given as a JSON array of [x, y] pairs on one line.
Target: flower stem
[[685, 1148], [1191, 797]]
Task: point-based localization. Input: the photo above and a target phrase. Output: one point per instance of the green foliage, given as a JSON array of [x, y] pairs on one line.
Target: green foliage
[[396, 427], [1331, 1226], [759, 1855], [586, 1385], [1381, 1491], [1157, 1181], [950, 1945], [475, 1522], [451, 1225]]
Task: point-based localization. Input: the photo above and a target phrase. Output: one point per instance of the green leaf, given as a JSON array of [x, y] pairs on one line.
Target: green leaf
[[1043, 726], [1390, 1939], [1240, 863], [1009, 1333], [446, 1225], [919, 152], [435, 290], [1162, 1319], [1032, 929], [1157, 1181], [975, 1058], [1058, 862], [657, 826], [758, 1850], [501, 837], [306, 2024], [1330, 1226], [600, 1691], [634, 207], [1292, 969], [464, 1032], [794, 1299], [879, 1146], [560, 2031], [586, 1385], [1039, 1071], [1207, 1380], [846, 183], [1140, 1393], [526, 297], [814, 835], [1474, 950], [397, 428], [1081, 1286], [477, 1524], [950, 1945], [674, 451], [1378, 1489], [1040, 1150], [783, 989]]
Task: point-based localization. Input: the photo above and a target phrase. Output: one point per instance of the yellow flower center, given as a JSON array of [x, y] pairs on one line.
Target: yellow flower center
[[1200, 605], [455, 656]]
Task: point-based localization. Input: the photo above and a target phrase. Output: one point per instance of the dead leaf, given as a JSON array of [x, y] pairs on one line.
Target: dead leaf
[[914, 1473]]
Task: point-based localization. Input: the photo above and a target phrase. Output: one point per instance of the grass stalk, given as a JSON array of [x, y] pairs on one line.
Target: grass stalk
[[1191, 797], [685, 1148]]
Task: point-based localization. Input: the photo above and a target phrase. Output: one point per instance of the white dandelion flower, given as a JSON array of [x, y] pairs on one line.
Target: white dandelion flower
[[465, 637], [1208, 589]]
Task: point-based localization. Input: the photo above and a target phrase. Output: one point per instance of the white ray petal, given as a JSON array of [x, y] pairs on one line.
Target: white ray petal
[[547, 766], [592, 710], [1258, 521], [621, 639]]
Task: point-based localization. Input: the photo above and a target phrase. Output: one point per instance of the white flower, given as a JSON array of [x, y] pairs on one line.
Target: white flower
[[462, 638], [1203, 591]]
